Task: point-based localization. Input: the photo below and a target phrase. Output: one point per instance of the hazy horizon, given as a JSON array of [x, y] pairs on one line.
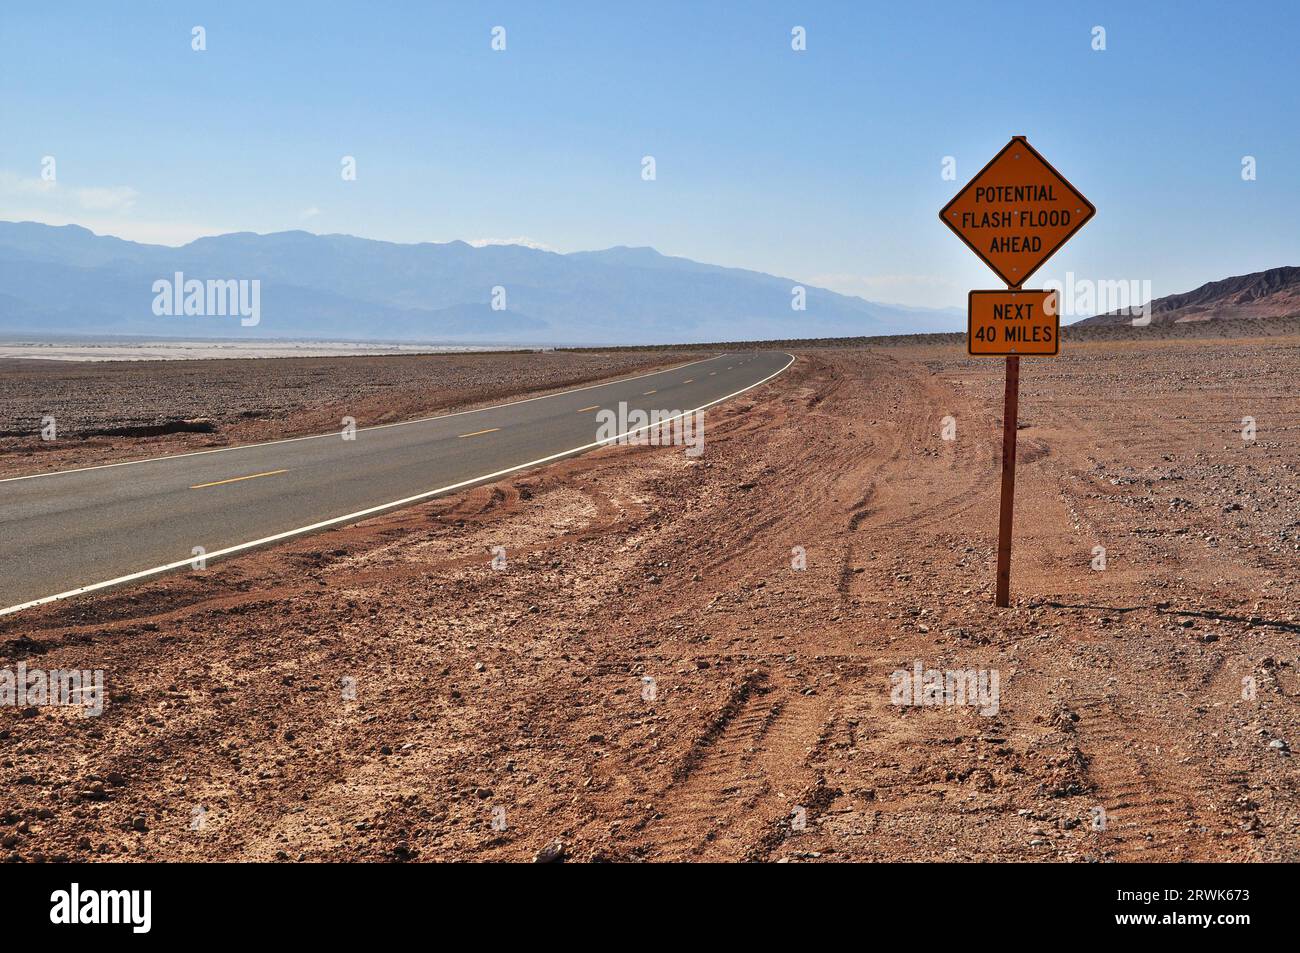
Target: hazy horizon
[[472, 244]]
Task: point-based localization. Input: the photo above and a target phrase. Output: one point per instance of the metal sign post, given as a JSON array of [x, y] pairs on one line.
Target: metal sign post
[[1010, 420]]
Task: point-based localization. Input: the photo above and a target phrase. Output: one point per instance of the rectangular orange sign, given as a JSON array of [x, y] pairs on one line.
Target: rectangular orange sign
[[1003, 323]]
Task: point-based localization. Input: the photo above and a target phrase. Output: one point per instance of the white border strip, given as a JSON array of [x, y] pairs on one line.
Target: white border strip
[[335, 433], [371, 511]]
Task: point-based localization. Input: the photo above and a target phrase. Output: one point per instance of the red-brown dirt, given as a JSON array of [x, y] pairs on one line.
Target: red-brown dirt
[[1146, 710]]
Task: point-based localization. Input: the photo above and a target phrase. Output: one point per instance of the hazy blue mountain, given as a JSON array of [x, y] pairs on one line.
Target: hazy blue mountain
[[69, 280]]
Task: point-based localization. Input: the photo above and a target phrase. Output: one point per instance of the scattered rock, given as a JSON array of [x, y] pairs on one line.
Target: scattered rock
[[556, 852]]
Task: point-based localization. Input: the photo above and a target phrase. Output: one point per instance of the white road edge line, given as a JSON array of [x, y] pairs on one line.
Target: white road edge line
[[335, 433], [371, 511]]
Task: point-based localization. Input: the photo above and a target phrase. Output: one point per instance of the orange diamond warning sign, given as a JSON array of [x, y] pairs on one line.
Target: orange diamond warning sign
[[1017, 212]]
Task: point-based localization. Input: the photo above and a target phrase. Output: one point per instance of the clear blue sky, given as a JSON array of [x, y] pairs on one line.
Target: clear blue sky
[[822, 165]]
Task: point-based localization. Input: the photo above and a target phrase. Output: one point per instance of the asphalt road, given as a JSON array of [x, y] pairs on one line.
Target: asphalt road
[[75, 531]]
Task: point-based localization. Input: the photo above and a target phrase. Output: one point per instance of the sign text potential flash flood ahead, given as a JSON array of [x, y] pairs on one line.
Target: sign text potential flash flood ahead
[[1017, 212]]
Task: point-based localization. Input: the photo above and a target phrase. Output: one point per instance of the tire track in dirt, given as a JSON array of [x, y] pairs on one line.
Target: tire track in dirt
[[739, 779], [1153, 809]]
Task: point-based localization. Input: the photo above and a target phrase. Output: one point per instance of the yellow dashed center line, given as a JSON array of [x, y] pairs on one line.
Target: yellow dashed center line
[[477, 433], [592, 407], [251, 476]]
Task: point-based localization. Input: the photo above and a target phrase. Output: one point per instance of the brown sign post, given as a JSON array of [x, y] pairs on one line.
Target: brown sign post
[[1015, 214]]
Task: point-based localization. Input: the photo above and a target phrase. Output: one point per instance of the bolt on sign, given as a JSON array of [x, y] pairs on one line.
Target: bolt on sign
[[1013, 322], [1015, 214]]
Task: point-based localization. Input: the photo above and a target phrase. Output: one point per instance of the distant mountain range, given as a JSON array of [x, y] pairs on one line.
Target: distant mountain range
[[1265, 294], [67, 280]]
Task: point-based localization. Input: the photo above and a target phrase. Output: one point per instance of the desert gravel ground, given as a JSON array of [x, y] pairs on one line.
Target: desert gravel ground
[[649, 677]]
